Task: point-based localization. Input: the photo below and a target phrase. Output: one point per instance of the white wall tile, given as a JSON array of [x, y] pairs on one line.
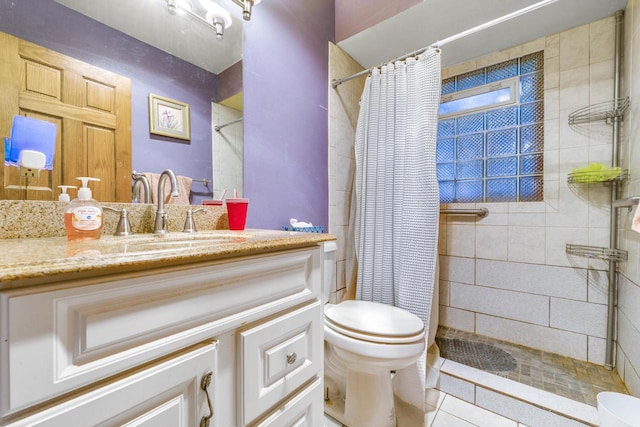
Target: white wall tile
[[492, 242], [574, 87], [598, 286], [527, 244], [629, 301], [498, 214], [527, 219], [601, 81], [557, 239], [457, 269], [574, 47], [498, 302], [562, 282], [461, 240], [631, 379], [629, 343], [601, 38], [573, 211], [552, 47], [443, 292], [597, 350], [552, 340], [457, 319], [578, 316]]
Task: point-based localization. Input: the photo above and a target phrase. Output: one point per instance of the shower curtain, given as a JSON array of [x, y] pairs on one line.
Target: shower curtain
[[397, 199]]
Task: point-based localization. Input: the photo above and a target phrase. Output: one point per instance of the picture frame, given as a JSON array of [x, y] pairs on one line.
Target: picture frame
[[168, 117]]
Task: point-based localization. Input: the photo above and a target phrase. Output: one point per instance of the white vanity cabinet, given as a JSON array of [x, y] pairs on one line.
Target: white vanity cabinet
[[132, 349]]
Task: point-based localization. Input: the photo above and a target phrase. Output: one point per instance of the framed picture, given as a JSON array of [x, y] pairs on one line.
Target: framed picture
[[168, 117]]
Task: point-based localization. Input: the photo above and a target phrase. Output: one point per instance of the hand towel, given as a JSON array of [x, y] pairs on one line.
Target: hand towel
[[184, 188]]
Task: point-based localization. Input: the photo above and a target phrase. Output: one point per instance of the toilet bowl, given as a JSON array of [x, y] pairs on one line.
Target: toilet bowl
[[618, 410], [364, 342]]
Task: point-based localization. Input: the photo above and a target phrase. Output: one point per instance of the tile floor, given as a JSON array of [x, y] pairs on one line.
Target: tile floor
[[577, 380], [445, 411]]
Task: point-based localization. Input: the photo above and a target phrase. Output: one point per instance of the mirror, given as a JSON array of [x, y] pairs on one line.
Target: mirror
[[174, 57]]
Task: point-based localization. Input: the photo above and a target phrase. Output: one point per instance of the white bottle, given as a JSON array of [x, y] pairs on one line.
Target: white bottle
[[83, 217], [64, 196]]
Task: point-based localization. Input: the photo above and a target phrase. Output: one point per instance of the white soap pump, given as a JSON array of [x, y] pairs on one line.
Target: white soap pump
[[64, 196], [83, 217]]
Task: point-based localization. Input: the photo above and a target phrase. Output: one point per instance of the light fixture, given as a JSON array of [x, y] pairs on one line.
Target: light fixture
[[179, 7], [205, 11], [247, 6]]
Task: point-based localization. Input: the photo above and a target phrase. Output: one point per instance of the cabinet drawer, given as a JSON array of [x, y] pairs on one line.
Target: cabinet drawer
[[305, 409], [277, 357], [166, 394], [53, 341]]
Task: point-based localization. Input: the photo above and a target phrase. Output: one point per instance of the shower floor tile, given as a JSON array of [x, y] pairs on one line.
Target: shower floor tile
[[575, 379]]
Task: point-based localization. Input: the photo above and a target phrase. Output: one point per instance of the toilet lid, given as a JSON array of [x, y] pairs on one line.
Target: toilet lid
[[374, 321]]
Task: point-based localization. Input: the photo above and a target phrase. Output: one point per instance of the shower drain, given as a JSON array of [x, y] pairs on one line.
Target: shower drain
[[477, 355]]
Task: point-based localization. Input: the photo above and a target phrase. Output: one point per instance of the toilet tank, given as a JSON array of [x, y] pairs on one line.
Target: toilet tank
[[328, 269]]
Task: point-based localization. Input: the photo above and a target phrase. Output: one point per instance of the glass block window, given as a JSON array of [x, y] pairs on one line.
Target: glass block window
[[491, 134]]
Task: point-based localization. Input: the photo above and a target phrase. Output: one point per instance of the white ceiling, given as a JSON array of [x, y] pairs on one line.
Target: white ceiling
[[181, 36], [434, 20]]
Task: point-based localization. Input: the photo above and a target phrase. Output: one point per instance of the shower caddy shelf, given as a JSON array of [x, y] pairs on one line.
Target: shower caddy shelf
[[596, 252], [605, 111], [597, 177]]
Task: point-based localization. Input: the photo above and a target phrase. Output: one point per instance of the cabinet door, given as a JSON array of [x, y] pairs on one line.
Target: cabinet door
[[54, 342], [278, 357], [168, 394], [305, 409]]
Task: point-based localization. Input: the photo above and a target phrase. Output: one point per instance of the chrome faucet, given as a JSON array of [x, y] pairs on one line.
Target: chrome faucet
[[161, 215], [141, 181]]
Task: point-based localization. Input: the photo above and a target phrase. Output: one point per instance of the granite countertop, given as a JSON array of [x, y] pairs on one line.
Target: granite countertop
[[31, 261]]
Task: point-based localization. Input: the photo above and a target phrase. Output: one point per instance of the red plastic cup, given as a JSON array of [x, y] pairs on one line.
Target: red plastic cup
[[237, 213]]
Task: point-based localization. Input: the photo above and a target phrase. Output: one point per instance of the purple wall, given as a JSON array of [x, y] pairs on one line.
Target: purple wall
[[285, 106], [151, 70]]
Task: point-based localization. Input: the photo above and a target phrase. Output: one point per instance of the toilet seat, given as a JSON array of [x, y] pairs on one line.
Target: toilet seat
[[374, 322]]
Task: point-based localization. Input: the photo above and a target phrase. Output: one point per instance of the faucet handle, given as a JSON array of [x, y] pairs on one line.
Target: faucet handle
[[189, 223], [124, 226]]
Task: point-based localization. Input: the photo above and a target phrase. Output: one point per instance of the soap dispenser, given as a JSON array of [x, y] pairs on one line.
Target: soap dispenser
[[64, 196], [83, 217]]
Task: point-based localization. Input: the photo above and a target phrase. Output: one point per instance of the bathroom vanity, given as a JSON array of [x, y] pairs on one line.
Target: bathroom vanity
[[218, 328]]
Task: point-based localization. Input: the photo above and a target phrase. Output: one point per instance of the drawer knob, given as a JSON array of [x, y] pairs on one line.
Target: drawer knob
[[291, 358], [204, 384]]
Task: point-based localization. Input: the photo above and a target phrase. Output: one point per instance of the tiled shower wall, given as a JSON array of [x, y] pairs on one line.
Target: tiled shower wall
[[628, 344], [227, 150], [508, 276], [343, 117]]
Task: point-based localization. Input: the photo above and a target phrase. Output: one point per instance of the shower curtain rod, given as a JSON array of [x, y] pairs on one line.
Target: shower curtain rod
[[218, 127], [337, 82]]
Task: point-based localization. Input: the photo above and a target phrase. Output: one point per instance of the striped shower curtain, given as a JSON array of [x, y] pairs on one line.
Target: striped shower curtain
[[397, 199]]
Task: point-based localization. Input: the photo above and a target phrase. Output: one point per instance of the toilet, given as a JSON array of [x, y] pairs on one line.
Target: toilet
[[364, 342]]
